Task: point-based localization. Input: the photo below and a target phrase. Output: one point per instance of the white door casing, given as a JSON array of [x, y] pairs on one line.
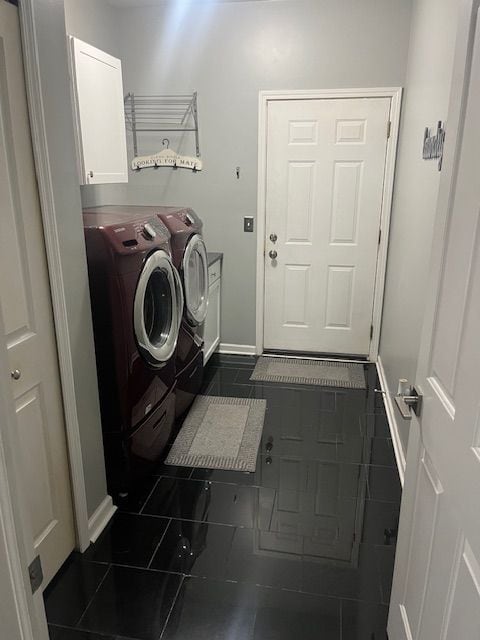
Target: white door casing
[[436, 585], [27, 314], [324, 191], [394, 94]]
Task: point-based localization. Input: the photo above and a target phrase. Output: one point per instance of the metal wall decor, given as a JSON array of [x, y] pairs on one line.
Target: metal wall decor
[[433, 144]]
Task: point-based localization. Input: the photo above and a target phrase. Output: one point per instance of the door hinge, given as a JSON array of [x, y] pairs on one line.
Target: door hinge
[[36, 573], [379, 235], [371, 331], [389, 128]]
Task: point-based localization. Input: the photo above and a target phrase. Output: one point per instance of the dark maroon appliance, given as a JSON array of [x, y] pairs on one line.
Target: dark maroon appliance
[[189, 255], [137, 305]]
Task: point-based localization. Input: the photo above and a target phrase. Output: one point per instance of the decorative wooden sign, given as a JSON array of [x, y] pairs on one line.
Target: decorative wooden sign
[[167, 158], [433, 144]]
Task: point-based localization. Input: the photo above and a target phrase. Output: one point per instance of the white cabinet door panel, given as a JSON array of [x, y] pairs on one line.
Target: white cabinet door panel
[[98, 106]]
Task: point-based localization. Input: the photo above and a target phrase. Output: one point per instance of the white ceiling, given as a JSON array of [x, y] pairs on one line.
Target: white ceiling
[[152, 3]]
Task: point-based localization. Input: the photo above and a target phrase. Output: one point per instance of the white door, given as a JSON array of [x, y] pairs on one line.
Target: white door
[[26, 309], [325, 174], [436, 587]]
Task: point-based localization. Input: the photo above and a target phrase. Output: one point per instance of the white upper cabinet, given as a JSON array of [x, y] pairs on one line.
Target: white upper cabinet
[[99, 114]]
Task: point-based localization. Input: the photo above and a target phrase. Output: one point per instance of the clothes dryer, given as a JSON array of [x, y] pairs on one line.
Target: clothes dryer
[[137, 308]]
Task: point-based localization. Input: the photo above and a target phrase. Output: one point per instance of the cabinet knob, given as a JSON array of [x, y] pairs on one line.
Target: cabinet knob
[[15, 374]]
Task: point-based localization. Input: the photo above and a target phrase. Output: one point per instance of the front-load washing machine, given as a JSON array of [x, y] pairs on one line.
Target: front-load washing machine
[[137, 307], [189, 255]]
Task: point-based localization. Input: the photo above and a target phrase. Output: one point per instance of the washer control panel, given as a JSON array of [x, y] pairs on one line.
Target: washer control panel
[[148, 231], [140, 234]]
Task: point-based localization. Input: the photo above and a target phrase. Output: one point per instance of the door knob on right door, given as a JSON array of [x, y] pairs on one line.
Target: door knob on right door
[[273, 254]]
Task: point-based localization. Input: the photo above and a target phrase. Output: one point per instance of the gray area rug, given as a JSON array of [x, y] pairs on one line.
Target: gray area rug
[[220, 433], [296, 371]]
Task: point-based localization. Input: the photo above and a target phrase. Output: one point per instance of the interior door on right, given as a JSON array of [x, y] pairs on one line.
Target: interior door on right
[[324, 192], [436, 584]]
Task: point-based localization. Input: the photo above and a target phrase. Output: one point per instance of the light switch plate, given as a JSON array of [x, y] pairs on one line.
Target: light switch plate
[[248, 223]]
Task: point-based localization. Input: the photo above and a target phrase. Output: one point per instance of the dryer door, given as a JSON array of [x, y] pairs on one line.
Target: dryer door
[[195, 279], [156, 311]]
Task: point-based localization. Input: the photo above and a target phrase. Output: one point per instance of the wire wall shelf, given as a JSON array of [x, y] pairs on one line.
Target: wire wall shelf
[[161, 113]]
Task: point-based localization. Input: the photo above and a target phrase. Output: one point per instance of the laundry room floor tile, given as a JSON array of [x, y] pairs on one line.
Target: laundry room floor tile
[[384, 484], [65, 633], [129, 539], [305, 543], [363, 621], [71, 590], [132, 602], [206, 609], [195, 548], [214, 502]]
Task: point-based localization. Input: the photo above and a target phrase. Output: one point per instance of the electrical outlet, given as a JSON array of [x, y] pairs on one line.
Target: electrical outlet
[[248, 223]]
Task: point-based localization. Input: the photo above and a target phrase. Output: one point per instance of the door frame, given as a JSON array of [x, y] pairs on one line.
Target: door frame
[[395, 95]]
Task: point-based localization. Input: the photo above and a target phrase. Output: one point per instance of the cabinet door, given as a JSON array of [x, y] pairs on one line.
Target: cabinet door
[[212, 322], [99, 113]]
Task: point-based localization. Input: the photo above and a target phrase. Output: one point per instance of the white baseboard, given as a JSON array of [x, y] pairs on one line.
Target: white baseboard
[[237, 349], [392, 421], [100, 518]]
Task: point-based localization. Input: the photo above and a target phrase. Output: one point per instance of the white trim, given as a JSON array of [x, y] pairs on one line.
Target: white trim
[[100, 518], [294, 356], [52, 247], [392, 421], [237, 349], [208, 354], [395, 95], [395, 104]]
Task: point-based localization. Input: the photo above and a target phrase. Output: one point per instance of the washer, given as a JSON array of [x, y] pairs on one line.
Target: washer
[[137, 308], [189, 255]]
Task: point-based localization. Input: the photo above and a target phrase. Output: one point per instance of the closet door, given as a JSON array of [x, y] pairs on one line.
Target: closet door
[[99, 114]]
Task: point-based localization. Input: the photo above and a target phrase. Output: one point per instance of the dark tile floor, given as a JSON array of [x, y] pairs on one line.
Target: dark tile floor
[[301, 549]]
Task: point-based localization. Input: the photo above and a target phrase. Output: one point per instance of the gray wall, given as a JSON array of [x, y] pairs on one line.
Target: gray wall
[[228, 52], [426, 98], [94, 22], [50, 30]]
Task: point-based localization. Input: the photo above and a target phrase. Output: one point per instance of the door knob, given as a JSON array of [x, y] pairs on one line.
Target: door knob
[[15, 374], [273, 237], [273, 254]]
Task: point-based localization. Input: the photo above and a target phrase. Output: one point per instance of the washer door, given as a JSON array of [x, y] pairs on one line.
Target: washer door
[[195, 279], [157, 310]]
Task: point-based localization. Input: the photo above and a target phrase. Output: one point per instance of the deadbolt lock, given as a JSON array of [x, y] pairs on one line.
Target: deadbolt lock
[[273, 237]]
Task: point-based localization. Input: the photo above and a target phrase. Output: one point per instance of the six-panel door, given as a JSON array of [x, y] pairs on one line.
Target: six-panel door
[[325, 176]]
